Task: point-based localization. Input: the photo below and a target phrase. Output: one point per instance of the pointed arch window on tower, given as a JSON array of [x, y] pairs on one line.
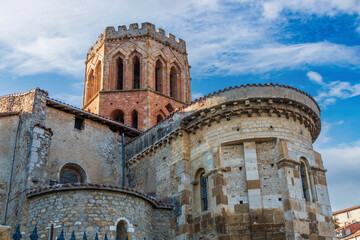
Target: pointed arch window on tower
[[97, 78], [173, 82], [134, 119], [158, 76], [90, 85], [136, 65], [120, 74]]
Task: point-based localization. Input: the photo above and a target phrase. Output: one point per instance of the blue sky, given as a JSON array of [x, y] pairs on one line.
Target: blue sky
[[313, 45]]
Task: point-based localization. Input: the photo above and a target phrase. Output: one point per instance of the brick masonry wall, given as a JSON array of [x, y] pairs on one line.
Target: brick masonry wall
[[150, 104], [147, 103], [95, 210]]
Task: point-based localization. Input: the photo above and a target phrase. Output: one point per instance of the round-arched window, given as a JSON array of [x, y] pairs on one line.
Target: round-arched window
[[72, 173]]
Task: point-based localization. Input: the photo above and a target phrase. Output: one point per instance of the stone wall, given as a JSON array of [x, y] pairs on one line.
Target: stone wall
[[96, 209], [30, 106], [241, 145], [8, 126], [95, 148]]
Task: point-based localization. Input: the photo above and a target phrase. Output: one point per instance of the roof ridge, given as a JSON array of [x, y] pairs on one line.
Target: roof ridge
[[25, 93], [93, 114]]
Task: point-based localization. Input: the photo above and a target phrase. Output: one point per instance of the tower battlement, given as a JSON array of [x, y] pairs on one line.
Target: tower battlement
[[147, 29]]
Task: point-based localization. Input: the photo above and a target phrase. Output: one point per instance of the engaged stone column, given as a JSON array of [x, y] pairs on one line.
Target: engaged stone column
[[254, 191]]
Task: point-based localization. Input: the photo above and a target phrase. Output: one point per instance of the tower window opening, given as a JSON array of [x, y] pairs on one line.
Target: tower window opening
[[174, 83], [170, 108], [120, 74], [204, 197], [118, 115], [97, 78], [159, 118], [134, 119], [158, 76], [305, 181], [136, 62]]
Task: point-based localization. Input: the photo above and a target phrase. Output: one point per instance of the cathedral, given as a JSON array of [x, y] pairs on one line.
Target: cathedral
[[141, 160]]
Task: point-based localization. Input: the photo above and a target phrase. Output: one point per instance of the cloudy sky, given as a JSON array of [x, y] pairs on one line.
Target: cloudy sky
[[313, 45]]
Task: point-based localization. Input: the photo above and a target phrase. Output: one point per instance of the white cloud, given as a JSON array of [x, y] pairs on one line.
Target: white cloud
[[332, 91], [272, 8], [315, 77], [71, 99], [49, 36], [196, 95], [343, 174], [324, 137], [279, 56]]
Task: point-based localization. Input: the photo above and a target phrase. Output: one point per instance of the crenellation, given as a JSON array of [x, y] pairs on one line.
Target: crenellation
[[147, 29]]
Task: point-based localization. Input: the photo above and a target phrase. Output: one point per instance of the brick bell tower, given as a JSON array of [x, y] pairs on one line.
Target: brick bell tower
[[136, 76]]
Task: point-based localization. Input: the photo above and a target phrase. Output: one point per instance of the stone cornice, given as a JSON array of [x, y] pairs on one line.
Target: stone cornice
[[286, 162], [276, 107]]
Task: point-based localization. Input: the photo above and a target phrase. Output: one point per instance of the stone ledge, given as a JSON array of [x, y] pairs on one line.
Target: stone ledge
[[93, 186]]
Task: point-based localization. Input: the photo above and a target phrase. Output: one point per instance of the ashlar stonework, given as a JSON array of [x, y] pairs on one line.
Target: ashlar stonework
[[140, 160]]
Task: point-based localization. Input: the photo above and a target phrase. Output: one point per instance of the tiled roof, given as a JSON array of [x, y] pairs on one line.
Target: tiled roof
[[95, 186], [346, 210], [132, 132]]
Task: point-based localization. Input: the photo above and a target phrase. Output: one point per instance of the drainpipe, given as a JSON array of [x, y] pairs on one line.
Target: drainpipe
[[12, 170], [123, 160]]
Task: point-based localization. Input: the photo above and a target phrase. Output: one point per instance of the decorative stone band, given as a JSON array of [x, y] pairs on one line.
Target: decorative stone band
[[241, 108], [278, 107], [93, 186]]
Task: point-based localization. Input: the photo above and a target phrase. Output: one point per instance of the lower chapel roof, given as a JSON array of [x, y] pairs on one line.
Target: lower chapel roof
[[94, 186]]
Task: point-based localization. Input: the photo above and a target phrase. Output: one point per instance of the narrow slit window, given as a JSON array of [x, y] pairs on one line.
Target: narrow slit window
[[203, 187], [134, 117], [136, 62], [305, 181], [158, 76], [173, 82]]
